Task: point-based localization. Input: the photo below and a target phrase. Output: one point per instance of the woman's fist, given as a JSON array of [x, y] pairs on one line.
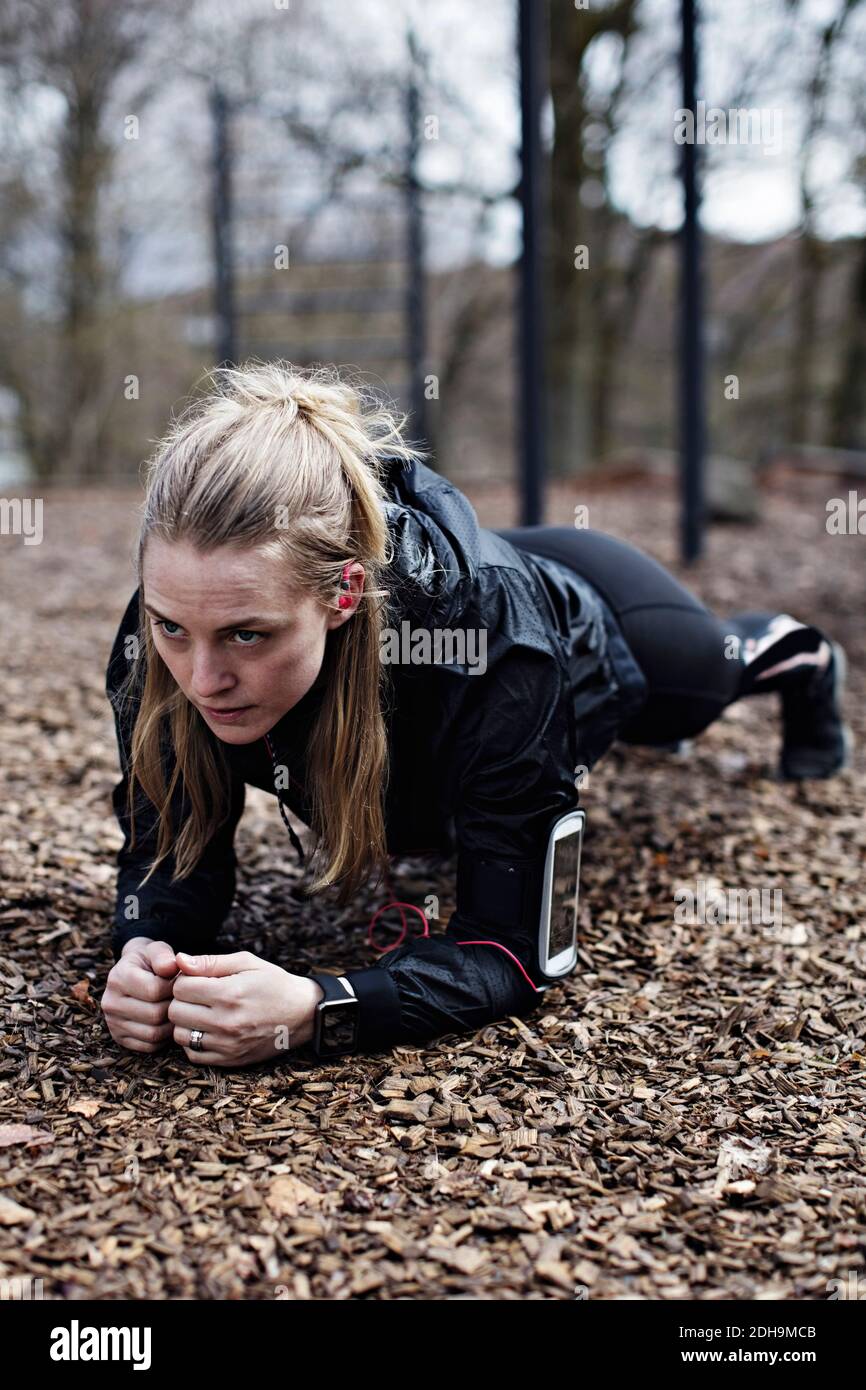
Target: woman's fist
[[138, 993], [247, 1009]]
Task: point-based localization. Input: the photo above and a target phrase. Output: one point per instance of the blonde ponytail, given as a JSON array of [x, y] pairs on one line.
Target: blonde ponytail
[[270, 439]]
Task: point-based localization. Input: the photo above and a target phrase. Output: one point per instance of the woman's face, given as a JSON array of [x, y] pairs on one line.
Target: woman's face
[[237, 643]]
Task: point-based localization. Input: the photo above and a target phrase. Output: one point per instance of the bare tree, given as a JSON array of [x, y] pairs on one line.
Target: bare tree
[[847, 416], [572, 224], [813, 253], [76, 50]]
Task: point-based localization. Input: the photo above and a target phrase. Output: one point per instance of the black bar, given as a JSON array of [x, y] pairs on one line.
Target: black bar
[[530, 347], [691, 336], [207, 1336]]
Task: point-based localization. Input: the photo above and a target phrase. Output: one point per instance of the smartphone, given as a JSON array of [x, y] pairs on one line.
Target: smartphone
[[557, 936]]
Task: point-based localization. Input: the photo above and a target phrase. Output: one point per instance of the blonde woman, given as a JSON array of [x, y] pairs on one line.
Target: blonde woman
[[298, 563]]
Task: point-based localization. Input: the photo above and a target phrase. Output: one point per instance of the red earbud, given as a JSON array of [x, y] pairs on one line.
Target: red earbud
[[345, 599]]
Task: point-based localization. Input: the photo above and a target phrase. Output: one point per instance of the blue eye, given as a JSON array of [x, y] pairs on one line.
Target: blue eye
[[166, 623]]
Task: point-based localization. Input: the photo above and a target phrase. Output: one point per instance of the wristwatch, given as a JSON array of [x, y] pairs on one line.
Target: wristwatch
[[338, 1016]]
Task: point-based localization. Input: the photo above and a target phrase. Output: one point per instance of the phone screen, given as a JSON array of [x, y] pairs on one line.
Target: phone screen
[[563, 896]]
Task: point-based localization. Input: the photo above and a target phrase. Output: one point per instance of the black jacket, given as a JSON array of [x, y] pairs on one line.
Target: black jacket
[[480, 763]]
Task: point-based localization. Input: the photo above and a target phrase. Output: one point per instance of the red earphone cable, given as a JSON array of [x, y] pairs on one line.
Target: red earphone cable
[[500, 947], [385, 908], [382, 950]]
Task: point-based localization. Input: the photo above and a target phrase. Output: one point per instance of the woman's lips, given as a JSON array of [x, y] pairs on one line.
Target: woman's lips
[[227, 716]]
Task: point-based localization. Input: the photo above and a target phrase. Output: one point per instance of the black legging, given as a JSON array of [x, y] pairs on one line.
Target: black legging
[[682, 648]]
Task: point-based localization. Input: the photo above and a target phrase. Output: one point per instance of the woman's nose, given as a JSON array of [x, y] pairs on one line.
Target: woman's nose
[[209, 677]]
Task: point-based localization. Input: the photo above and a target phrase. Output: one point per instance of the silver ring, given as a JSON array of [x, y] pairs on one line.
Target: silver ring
[[195, 1040]]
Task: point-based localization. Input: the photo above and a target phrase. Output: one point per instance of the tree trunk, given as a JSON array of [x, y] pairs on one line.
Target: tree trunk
[[847, 429], [808, 274], [572, 321], [84, 163]]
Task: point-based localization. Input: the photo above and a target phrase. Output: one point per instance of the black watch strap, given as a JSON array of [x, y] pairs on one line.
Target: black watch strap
[[337, 1020]]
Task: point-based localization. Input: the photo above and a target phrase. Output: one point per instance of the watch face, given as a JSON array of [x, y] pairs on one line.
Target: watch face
[[339, 1025]]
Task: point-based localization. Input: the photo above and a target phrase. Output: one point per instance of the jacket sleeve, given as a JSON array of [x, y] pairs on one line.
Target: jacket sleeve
[[187, 914], [516, 780]]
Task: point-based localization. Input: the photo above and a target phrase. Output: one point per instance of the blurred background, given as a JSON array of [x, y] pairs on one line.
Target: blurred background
[[190, 183]]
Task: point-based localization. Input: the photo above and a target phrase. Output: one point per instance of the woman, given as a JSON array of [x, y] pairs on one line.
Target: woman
[[298, 562]]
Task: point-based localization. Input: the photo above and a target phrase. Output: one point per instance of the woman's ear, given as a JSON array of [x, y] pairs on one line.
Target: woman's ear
[[351, 588]]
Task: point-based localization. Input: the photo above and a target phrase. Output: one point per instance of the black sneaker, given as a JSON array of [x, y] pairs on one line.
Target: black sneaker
[[816, 741]]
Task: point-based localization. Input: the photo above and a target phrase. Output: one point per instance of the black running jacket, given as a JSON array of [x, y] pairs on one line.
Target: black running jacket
[[482, 764]]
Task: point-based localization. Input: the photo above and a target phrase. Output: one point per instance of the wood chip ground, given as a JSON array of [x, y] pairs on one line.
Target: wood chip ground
[[683, 1119]]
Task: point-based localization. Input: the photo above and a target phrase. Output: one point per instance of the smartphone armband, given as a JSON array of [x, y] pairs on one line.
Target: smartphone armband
[[535, 899], [560, 896]]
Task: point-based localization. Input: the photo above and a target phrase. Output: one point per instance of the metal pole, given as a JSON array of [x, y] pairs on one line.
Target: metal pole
[[530, 323], [691, 372], [415, 307], [224, 298]]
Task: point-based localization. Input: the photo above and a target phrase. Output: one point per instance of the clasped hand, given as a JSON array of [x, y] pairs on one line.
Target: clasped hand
[[247, 1009]]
